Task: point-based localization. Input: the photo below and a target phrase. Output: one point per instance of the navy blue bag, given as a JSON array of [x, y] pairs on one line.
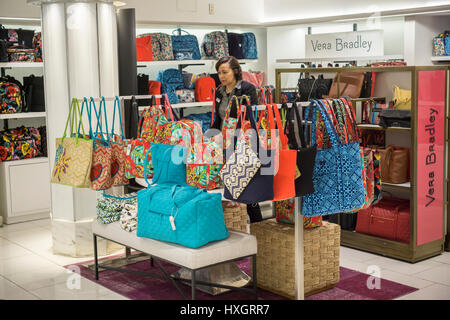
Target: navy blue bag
[[260, 187], [249, 48], [185, 47], [171, 80]]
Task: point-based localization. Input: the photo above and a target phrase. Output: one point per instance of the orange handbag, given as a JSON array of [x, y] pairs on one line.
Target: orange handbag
[[285, 162], [144, 51]]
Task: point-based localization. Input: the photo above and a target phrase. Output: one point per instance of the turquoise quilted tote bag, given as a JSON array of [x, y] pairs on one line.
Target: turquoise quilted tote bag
[[180, 214], [168, 163], [338, 178]]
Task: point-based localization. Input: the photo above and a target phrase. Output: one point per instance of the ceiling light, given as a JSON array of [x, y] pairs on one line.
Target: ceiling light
[[119, 3]]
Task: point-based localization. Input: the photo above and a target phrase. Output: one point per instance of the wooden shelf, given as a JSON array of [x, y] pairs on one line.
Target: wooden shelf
[[378, 127], [341, 59], [21, 64], [23, 115]]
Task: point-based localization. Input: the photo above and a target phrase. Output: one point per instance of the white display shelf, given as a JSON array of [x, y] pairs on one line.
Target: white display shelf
[[406, 185], [186, 105], [23, 115], [341, 59], [441, 59], [378, 127], [24, 64], [25, 161], [201, 62]]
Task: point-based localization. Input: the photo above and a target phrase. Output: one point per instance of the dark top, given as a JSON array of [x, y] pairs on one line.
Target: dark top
[[242, 88]]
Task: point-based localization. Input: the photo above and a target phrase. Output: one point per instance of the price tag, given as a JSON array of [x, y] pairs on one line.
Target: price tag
[[128, 149], [172, 222]]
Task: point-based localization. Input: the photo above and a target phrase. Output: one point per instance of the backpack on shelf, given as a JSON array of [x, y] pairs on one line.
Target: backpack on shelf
[[3, 50], [185, 47], [249, 46], [144, 50], [235, 45], [162, 47], [171, 80], [215, 45], [37, 46], [34, 93], [11, 95], [21, 54], [205, 89]]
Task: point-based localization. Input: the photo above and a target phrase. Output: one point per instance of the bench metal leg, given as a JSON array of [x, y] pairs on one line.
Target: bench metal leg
[[193, 281], [127, 253], [96, 257], [255, 285]]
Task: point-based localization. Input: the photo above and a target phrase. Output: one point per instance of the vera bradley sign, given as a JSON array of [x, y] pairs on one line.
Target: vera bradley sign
[[345, 44]]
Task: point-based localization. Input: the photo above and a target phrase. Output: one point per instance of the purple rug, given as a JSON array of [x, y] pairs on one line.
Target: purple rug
[[352, 285]]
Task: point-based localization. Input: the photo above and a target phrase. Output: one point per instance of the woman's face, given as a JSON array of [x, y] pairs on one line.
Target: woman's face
[[226, 74]]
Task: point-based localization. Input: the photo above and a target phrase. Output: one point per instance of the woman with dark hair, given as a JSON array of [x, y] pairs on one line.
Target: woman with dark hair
[[230, 76]]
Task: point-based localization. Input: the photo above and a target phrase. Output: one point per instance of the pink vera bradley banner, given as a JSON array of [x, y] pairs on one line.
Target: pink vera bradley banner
[[430, 156]]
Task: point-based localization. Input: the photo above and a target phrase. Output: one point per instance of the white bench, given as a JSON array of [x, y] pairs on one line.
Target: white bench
[[237, 246]]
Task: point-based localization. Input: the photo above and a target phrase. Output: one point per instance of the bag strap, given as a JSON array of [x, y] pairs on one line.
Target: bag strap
[[332, 134], [301, 132], [168, 107], [283, 137], [99, 123], [69, 118], [89, 114], [117, 105]]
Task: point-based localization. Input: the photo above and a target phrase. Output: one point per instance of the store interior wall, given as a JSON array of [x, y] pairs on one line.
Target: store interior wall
[[419, 33], [288, 42], [281, 10]]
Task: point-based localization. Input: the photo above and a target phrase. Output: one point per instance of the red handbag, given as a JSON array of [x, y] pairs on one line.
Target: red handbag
[[284, 179], [387, 219], [144, 51]]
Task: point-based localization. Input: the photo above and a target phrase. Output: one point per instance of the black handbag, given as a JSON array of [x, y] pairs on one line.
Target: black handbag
[[43, 147], [254, 212], [312, 88], [366, 90], [306, 156], [235, 45], [142, 84], [3, 50], [34, 93], [25, 38], [260, 188], [395, 118]]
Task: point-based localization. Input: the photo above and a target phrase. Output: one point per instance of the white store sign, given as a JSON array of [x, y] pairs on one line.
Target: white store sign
[[345, 44]]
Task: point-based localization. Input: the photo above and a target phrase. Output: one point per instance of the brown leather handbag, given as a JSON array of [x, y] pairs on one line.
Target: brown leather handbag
[[394, 164], [350, 85]]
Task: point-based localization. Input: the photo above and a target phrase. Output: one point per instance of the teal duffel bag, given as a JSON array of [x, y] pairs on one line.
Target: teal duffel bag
[[184, 215]]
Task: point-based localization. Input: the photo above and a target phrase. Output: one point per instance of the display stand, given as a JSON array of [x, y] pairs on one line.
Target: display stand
[[426, 140]]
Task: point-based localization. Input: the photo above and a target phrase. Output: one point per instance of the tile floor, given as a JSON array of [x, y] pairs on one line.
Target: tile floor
[[29, 270]]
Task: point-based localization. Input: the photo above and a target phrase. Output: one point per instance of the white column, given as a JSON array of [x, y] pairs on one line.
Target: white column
[[80, 59]]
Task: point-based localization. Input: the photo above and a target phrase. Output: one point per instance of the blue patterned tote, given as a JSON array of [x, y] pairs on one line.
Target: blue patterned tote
[[337, 177]]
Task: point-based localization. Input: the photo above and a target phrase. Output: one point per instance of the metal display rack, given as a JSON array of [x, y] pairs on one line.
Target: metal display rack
[[415, 250]]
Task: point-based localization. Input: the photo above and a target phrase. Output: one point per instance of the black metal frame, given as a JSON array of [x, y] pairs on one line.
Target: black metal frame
[[194, 282]]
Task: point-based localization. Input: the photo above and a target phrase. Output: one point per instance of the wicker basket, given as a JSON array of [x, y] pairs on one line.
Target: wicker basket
[[235, 215], [276, 257]]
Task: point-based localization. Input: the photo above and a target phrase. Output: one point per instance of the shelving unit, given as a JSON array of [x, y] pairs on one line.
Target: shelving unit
[[24, 184], [202, 62], [23, 115], [341, 59], [429, 86], [440, 59]]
